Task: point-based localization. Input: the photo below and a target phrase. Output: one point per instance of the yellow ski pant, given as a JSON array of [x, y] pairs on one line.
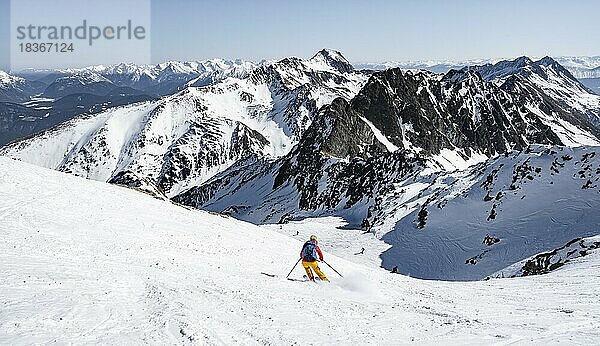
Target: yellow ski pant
[[314, 266]]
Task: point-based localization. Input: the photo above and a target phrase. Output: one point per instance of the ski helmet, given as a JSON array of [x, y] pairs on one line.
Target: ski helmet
[[313, 237]]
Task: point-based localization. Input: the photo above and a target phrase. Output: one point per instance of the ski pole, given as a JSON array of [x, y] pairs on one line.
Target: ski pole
[[294, 267], [338, 273]]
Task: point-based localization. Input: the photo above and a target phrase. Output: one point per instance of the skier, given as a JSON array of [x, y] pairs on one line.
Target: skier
[[310, 254]]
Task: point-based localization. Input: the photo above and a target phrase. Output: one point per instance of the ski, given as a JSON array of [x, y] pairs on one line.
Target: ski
[[291, 279]]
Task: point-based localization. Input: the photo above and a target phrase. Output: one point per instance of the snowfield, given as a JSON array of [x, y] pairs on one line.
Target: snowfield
[[86, 262]]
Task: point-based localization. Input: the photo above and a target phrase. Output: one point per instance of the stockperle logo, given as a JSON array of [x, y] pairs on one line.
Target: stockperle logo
[[69, 33]]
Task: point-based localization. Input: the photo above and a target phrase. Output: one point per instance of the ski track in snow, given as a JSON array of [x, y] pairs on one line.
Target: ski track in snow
[[85, 262]]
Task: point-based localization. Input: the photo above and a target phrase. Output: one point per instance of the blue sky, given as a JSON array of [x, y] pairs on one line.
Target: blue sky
[[374, 30], [369, 30]]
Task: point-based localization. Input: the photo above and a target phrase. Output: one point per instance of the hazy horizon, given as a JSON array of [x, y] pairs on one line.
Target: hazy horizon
[[432, 61]]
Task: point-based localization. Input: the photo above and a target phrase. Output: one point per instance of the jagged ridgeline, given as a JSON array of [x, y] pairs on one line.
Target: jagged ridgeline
[[384, 161], [180, 141], [389, 151], [37, 100], [400, 120]]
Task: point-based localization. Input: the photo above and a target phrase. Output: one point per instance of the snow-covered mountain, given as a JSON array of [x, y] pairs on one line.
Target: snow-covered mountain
[[7, 80], [452, 120], [81, 82], [483, 219], [160, 79], [15, 89], [357, 158], [30, 107], [580, 67], [70, 92], [520, 76], [302, 138], [435, 66], [19, 121], [546, 262], [85, 262], [181, 140]]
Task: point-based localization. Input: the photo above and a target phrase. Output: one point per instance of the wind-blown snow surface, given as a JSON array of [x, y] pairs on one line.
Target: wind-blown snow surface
[[87, 262], [551, 260], [469, 224]]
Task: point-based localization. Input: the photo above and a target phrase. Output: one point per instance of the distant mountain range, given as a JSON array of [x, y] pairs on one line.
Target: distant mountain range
[[17, 89], [580, 67], [35, 100], [96, 88], [161, 79], [453, 164], [429, 157], [586, 69], [181, 140]]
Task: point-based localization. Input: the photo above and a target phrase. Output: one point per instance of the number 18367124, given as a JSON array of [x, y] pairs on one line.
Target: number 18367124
[[46, 47]]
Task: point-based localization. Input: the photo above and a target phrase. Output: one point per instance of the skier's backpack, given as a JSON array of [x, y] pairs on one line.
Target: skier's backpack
[[309, 251]]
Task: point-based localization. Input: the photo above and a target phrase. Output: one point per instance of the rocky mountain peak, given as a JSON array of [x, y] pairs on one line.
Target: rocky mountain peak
[[547, 61], [332, 58], [547, 64], [457, 76], [500, 69], [522, 61], [347, 135]]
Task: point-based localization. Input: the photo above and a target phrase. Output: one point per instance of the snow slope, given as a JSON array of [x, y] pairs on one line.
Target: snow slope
[[469, 224], [86, 262], [458, 225], [546, 262], [343, 240]]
